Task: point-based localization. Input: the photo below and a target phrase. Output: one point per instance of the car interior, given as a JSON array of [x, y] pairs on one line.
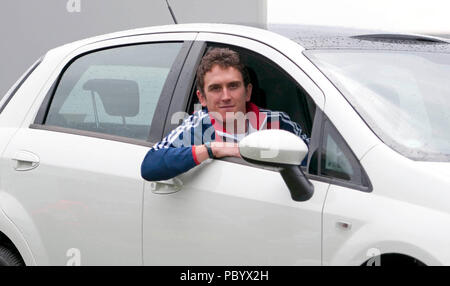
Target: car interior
[[107, 95]]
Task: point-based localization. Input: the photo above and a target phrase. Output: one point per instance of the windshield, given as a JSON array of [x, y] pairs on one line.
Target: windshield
[[404, 97]]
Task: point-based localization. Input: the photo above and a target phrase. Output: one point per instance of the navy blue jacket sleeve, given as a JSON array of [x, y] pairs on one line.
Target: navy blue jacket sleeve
[[166, 163], [174, 154]]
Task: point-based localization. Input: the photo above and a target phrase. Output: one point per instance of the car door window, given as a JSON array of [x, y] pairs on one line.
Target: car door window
[[113, 91], [272, 88]]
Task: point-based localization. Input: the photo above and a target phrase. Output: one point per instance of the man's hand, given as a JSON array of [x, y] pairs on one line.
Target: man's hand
[[225, 149], [219, 149]]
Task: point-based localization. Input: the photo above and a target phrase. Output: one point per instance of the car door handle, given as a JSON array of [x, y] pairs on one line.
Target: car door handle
[[25, 161], [166, 187]]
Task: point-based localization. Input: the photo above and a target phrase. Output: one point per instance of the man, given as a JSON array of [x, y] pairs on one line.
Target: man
[[224, 91]]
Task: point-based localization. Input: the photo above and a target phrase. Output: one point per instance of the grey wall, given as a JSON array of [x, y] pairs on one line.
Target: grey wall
[[30, 28]]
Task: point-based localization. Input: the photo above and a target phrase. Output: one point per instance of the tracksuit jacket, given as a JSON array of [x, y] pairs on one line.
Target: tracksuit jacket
[[175, 154]]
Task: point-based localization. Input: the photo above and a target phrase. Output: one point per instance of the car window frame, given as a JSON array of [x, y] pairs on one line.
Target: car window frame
[[156, 129], [13, 90], [183, 88], [319, 146]]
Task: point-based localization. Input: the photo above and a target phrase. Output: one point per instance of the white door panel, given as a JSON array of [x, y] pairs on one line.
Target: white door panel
[[232, 214], [86, 193], [351, 245]]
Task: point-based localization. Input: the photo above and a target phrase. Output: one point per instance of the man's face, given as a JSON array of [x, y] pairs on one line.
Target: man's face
[[225, 92]]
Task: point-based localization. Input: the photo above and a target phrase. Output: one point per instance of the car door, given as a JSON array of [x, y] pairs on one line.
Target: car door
[[71, 174], [228, 212]]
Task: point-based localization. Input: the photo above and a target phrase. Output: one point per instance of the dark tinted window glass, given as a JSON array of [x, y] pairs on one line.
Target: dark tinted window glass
[[113, 91]]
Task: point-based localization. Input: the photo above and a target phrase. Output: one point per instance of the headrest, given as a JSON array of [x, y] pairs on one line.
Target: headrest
[[120, 97]]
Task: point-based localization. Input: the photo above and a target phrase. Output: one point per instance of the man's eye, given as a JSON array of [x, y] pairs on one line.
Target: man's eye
[[214, 88], [234, 85]]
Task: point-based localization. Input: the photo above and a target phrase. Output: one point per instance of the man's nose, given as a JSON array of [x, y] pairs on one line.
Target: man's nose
[[226, 94]]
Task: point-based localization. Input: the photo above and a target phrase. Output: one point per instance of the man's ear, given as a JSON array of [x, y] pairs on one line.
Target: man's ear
[[248, 92], [201, 98]]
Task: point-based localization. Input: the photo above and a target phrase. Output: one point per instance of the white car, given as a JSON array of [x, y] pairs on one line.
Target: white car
[[376, 189]]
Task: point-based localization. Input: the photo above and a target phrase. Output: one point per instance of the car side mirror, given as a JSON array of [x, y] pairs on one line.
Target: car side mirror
[[280, 148]]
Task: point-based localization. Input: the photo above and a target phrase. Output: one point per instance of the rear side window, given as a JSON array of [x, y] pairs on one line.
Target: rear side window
[[113, 91], [7, 97]]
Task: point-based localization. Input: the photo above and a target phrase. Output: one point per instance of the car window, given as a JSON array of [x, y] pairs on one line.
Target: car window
[[272, 88], [337, 160], [113, 91]]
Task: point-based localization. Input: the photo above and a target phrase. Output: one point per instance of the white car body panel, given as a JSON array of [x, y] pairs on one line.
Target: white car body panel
[[247, 220], [124, 186], [379, 225], [11, 231], [96, 193], [404, 214]]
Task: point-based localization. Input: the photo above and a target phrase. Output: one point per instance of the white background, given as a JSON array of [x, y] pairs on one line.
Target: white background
[[417, 16]]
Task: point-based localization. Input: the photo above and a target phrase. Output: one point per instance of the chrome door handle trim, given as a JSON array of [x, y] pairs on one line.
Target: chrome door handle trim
[[166, 187], [25, 161]]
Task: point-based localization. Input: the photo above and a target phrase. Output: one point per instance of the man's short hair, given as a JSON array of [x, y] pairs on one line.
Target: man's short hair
[[225, 58]]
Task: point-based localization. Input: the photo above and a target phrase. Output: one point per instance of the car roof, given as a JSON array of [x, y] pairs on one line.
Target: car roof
[[319, 37], [308, 37], [247, 31]]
